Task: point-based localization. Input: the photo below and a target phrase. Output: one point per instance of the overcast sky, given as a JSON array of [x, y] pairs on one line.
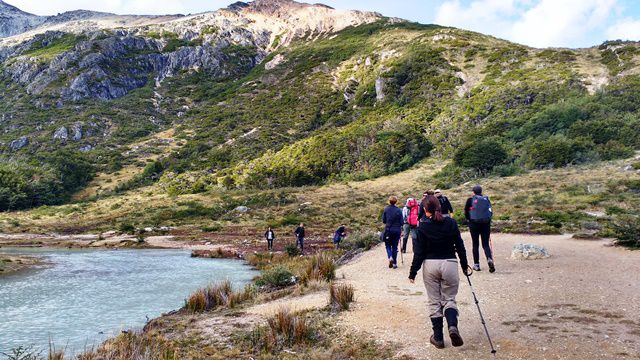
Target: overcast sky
[[540, 23]]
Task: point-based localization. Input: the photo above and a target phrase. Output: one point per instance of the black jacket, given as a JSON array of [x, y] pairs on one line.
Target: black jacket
[[438, 241], [266, 234], [392, 218], [299, 232], [445, 204]]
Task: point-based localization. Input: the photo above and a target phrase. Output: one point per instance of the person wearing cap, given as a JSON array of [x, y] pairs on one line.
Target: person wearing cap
[[478, 212], [447, 209]]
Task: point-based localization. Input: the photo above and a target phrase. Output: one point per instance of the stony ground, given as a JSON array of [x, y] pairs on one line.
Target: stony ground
[[581, 303]]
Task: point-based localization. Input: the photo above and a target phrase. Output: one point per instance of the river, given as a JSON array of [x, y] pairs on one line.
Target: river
[[84, 296]]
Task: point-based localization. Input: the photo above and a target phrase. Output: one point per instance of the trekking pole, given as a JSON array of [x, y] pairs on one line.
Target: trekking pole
[[484, 324], [401, 257]]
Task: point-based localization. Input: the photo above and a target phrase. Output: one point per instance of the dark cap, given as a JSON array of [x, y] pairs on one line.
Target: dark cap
[[477, 190]]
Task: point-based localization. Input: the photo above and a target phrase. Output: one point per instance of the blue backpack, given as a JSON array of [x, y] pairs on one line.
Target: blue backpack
[[480, 211]]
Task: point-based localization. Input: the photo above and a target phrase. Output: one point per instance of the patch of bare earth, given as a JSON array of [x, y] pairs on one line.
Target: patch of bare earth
[[581, 303]]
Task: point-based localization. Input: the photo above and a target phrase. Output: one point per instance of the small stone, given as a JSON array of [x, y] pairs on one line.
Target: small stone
[[528, 281], [241, 209]]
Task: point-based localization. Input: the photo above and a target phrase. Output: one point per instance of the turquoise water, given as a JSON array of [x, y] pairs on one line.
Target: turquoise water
[[85, 296]]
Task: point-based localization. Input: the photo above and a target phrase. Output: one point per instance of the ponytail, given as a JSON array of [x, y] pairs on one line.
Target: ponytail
[[431, 205]]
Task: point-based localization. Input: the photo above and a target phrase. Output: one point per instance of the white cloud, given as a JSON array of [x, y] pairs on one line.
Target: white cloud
[[627, 29], [537, 23]]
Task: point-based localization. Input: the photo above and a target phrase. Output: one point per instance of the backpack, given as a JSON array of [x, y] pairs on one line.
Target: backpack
[[480, 210], [414, 211]]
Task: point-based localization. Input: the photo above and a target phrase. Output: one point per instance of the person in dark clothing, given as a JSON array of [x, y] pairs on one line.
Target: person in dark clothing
[[300, 237], [439, 241], [339, 235], [447, 209], [392, 219], [270, 236], [478, 212], [421, 215]]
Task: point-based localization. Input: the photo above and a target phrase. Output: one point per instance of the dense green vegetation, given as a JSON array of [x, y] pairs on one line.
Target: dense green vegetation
[[49, 180], [371, 100]]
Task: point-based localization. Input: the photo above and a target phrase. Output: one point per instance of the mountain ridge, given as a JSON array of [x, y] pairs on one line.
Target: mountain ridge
[[257, 97]]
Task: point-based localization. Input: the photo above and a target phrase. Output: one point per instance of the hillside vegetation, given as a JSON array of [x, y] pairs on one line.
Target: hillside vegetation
[[285, 111]]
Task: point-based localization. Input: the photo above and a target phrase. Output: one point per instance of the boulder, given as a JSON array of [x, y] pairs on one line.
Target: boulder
[[241, 209], [380, 86], [86, 148], [61, 134], [529, 252], [76, 129], [19, 143]]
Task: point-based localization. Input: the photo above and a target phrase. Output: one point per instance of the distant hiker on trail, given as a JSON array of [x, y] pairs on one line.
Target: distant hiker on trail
[[339, 235], [421, 215], [410, 214], [300, 237], [438, 242], [392, 219], [270, 236], [479, 213], [447, 209]]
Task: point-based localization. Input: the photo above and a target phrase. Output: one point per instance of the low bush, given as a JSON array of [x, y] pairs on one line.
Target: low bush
[[284, 329], [340, 296], [292, 250], [361, 240], [277, 277], [627, 231], [133, 345], [321, 267], [218, 295]]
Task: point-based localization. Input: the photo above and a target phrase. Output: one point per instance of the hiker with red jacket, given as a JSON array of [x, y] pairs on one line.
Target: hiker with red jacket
[[410, 213], [478, 212]]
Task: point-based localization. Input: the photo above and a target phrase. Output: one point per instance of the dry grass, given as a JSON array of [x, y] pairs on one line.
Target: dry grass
[[133, 345], [321, 267], [340, 296], [218, 295]]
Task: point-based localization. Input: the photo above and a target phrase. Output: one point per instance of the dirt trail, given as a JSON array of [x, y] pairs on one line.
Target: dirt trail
[[582, 303]]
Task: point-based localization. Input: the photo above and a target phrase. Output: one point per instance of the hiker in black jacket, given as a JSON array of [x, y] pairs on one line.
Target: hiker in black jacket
[[438, 242], [300, 237], [270, 236], [447, 209], [392, 219], [478, 212]]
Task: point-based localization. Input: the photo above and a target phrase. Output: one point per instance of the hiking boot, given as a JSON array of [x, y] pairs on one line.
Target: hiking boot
[[395, 266], [492, 268], [439, 344], [390, 263], [454, 334], [476, 267], [437, 339]]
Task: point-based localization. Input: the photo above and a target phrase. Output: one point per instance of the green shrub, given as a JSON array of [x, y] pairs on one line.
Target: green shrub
[[627, 231], [361, 240], [483, 155], [276, 276], [127, 228], [554, 151], [292, 250]]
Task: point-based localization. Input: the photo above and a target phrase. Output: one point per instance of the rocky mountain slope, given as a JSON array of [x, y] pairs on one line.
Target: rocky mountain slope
[[14, 21], [276, 93]]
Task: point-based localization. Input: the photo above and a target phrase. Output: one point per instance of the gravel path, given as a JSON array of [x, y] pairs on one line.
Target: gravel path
[[581, 303]]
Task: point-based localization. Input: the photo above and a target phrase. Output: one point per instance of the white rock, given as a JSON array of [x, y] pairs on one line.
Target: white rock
[[528, 252]]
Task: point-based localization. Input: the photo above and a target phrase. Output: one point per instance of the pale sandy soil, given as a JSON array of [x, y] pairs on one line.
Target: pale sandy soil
[[581, 303]]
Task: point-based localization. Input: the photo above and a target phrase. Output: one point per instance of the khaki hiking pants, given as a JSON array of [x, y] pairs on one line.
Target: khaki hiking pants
[[441, 279]]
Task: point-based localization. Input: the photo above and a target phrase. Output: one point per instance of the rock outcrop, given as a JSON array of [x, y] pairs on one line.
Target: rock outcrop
[[528, 252], [19, 143]]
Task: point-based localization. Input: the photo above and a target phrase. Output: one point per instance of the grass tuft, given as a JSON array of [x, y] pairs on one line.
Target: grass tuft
[[216, 296], [340, 296]]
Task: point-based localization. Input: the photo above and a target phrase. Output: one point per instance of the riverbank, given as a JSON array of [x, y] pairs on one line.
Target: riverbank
[[534, 309], [227, 245], [12, 264]]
